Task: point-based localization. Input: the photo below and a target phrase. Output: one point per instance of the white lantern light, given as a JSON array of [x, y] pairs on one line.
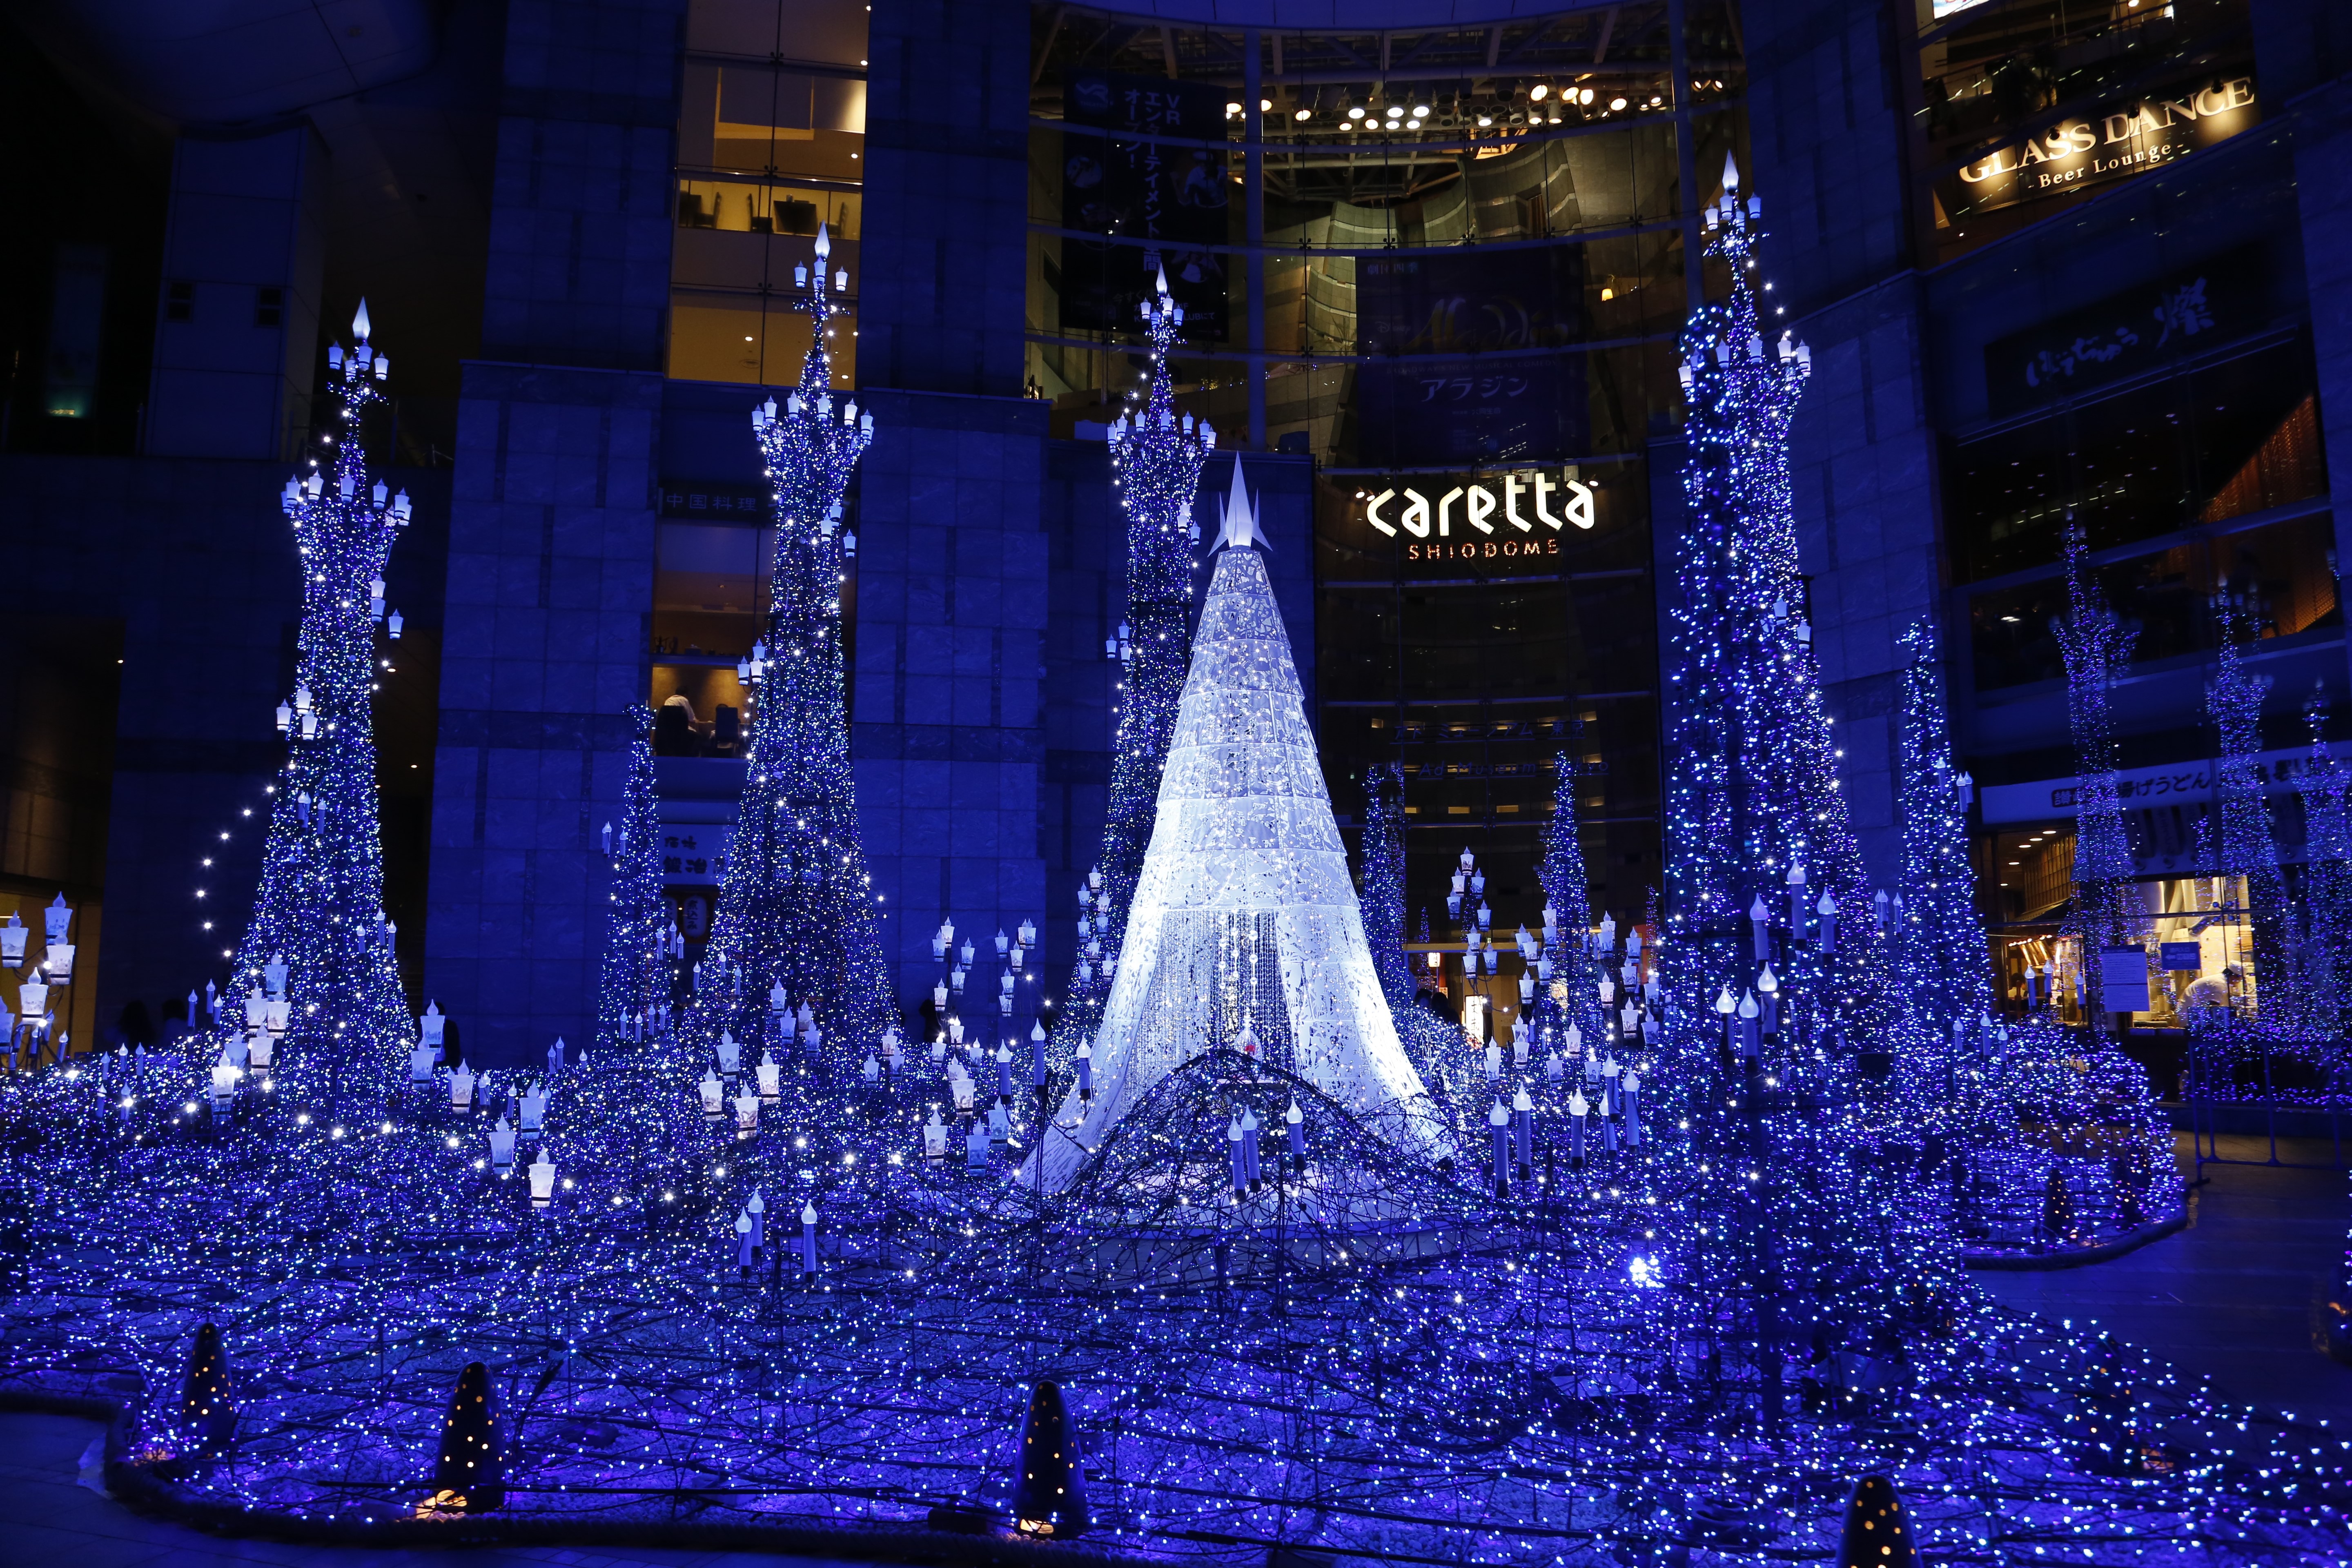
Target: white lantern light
[[225, 1077], [461, 1088], [431, 1026], [59, 962], [935, 1137], [542, 1180], [534, 1108], [731, 1054], [260, 1048], [770, 1075], [502, 1145], [747, 1111], [710, 1090], [420, 1063]]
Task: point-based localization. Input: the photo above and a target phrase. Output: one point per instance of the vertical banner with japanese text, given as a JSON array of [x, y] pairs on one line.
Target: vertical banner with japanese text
[[1173, 197]]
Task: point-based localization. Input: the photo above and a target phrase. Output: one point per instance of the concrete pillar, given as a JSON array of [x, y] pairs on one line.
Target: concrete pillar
[[237, 336]]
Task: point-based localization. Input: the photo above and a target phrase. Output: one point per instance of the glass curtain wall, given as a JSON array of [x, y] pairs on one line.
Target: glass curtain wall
[[770, 143], [1447, 266]]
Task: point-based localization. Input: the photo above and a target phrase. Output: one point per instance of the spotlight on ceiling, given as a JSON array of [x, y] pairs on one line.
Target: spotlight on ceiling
[[1538, 92]]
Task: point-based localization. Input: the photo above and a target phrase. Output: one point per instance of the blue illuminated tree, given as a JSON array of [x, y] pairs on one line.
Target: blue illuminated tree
[[1156, 458], [1567, 894], [1384, 882], [797, 907], [2325, 928], [1788, 1227], [319, 909], [2096, 644], [1754, 797], [1941, 952], [636, 967], [2240, 846], [1425, 1036]]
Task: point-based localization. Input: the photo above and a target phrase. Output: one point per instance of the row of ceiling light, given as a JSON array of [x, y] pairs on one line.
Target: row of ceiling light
[[1545, 103]]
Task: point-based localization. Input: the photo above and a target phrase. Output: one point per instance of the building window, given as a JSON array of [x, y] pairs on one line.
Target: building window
[[771, 139]]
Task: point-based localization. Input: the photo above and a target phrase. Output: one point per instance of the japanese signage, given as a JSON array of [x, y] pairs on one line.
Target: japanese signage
[[694, 854], [2175, 783], [1507, 519], [2129, 331], [2130, 140], [1456, 392], [1143, 190]]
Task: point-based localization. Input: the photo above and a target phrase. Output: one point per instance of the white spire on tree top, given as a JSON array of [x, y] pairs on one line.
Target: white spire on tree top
[[824, 244], [1163, 280], [1240, 518], [1731, 172], [360, 322]]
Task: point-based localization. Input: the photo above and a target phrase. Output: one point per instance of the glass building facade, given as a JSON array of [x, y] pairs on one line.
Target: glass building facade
[[1448, 264]]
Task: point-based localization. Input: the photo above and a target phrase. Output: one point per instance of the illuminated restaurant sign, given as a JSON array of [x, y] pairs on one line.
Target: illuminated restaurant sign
[[2133, 139]]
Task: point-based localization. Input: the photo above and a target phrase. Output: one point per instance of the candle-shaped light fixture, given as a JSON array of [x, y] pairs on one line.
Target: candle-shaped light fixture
[[1498, 1123], [1295, 1124]]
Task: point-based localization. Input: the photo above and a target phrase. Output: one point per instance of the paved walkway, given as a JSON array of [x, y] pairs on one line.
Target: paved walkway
[[2239, 1296]]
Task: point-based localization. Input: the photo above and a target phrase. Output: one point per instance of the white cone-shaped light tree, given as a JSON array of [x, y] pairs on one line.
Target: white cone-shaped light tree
[[1245, 930]]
